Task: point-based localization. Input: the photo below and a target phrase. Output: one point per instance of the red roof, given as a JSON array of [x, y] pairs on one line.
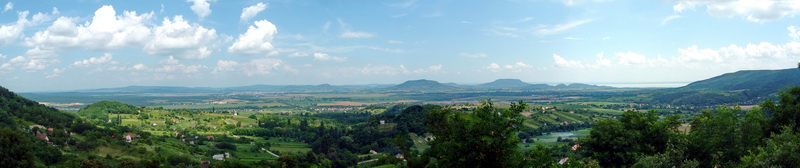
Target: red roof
[[50, 129], [131, 135], [41, 136]]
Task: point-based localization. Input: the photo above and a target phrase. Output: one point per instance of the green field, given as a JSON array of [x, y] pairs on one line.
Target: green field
[[550, 139]]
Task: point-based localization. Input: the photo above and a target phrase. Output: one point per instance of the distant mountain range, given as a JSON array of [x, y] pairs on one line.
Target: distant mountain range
[[748, 83]]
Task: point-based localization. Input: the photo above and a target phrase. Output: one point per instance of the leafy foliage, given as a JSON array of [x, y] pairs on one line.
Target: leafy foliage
[[483, 138], [619, 142]]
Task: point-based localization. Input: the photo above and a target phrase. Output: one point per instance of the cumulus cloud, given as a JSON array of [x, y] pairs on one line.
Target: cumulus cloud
[[261, 66], [326, 57], [105, 31], [472, 55], [200, 7], [223, 66], [430, 69], [762, 55], [9, 6], [9, 33], [370, 69], [352, 34], [55, 73], [552, 29], [105, 59], [139, 67], [251, 11], [33, 60], [752, 10], [256, 40], [516, 67], [561, 62], [177, 37]]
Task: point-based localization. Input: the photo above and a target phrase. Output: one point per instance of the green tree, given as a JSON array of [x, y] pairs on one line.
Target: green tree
[[618, 142], [15, 149], [483, 138], [786, 112], [782, 150], [722, 136]]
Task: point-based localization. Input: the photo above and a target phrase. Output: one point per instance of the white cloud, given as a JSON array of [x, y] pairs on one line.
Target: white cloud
[[298, 54], [395, 42], [139, 67], [264, 66], [379, 70], [669, 18], [200, 7], [516, 67], [493, 67], [430, 69], [326, 57], [762, 55], [546, 30], [561, 62], [794, 33], [177, 37], [55, 73], [472, 55], [752, 10], [105, 31], [105, 59], [35, 59], [223, 66], [351, 34], [256, 40], [251, 11], [10, 33], [9, 6], [628, 58], [261, 66]]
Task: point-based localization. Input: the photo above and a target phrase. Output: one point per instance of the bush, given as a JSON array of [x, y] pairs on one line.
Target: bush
[[225, 145]]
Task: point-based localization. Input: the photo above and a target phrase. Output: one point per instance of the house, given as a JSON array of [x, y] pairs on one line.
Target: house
[[372, 152], [43, 136], [129, 138], [49, 129], [562, 161], [205, 163], [218, 157], [576, 147], [210, 137]]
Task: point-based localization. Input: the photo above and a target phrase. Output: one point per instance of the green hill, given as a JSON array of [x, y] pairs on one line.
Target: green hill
[[741, 87], [504, 83], [754, 82], [102, 109], [421, 85]]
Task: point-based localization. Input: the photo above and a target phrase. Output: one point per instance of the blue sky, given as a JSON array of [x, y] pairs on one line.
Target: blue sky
[[67, 45]]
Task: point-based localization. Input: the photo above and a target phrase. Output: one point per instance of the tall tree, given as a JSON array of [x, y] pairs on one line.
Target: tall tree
[[786, 112], [15, 149], [618, 142], [483, 138]]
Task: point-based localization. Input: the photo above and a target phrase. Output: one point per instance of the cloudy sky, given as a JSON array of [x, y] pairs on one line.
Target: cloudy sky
[[54, 45]]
